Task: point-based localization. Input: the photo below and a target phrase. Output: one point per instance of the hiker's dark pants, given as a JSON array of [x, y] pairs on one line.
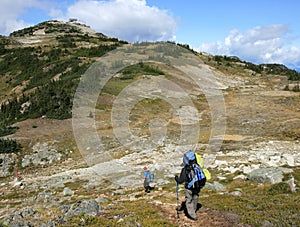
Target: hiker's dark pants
[[192, 198], [147, 183]]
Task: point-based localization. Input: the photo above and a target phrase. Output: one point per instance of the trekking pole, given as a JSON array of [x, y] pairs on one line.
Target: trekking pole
[[177, 201]]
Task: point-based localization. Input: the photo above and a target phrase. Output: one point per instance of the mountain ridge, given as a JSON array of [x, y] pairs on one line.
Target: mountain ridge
[[49, 181]]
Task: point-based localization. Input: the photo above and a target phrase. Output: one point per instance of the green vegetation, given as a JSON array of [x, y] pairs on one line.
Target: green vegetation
[[274, 203], [136, 213], [54, 27], [53, 100], [257, 204], [187, 46], [140, 69], [9, 146], [47, 77], [4, 131], [49, 74], [115, 85], [223, 62]]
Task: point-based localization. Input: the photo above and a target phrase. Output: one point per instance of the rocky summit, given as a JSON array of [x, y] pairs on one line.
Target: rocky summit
[[82, 114]]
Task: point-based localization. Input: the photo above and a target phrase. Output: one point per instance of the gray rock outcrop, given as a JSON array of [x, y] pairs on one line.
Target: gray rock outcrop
[[7, 161], [87, 207], [43, 154], [270, 175], [215, 186]]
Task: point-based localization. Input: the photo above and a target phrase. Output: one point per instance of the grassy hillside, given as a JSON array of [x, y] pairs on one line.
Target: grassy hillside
[[40, 67], [39, 72]]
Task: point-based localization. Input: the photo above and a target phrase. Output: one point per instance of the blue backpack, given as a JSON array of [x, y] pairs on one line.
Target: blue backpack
[[188, 157], [196, 176]]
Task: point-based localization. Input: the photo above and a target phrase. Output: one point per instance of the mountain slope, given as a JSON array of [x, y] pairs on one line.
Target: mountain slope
[[40, 69], [42, 64]]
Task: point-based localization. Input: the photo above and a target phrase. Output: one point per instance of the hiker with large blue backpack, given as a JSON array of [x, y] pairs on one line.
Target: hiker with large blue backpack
[[193, 177]]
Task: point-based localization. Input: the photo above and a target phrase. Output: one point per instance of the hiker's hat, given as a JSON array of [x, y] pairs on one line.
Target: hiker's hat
[[145, 167]]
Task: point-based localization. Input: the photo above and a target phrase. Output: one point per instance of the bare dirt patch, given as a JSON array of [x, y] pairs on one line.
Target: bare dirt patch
[[43, 129]]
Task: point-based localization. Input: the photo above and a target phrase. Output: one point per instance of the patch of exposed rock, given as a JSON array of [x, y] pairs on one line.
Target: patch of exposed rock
[[88, 207], [262, 162], [7, 161], [166, 162], [43, 154], [261, 155], [269, 175], [31, 216]]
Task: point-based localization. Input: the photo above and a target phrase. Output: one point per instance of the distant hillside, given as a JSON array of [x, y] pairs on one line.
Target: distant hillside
[[266, 69], [40, 67], [61, 171]]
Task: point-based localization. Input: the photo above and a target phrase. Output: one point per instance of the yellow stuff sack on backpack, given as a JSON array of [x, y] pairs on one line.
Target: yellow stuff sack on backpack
[[200, 163], [199, 160], [207, 174]]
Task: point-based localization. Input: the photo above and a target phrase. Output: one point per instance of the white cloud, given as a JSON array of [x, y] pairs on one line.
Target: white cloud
[[263, 44], [11, 25], [131, 20], [11, 10], [217, 48]]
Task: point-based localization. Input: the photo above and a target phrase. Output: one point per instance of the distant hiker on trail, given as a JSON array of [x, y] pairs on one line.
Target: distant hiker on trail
[[148, 177], [194, 179]]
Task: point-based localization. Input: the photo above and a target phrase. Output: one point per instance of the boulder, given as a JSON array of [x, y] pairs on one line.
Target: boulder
[[288, 159], [291, 183], [41, 158], [241, 177], [18, 218], [271, 175], [87, 207], [236, 193], [68, 191], [57, 181], [7, 161], [216, 186], [43, 154]]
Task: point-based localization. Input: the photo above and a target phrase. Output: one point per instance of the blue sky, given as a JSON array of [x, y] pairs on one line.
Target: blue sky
[[264, 31]]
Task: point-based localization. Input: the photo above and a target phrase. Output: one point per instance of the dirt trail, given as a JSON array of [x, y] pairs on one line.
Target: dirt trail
[[206, 216]]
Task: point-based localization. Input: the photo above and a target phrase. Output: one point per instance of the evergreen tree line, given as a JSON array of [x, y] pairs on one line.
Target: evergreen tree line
[[39, 66], [53, 100], [9, 146], [279, 69], [7, 130]]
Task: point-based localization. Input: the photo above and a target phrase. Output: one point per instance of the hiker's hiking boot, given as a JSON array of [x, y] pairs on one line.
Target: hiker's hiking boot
[[148, 189], [194, 218], [181, 208]]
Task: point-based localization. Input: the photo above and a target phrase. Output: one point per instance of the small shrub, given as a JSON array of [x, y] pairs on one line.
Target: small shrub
[[140, 68], [8, 130], [279, 188], [9, 146]]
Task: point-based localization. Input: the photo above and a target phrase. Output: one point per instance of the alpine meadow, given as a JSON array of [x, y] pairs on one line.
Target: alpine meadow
[[82, 114]]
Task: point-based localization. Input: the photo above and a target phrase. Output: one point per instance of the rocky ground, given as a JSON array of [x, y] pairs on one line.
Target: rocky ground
[[64, 178], [54, 181]]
